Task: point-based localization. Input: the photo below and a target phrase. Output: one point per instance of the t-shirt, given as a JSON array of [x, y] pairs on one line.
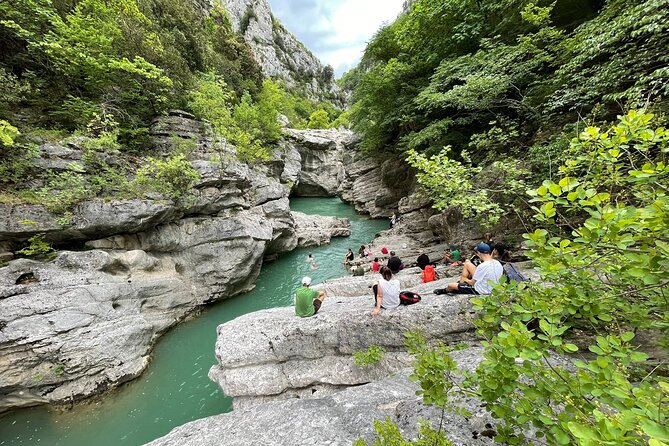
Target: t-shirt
[[304, 301], [395, 264], [422, 261], [455, 255], [349, 256], [488, 271], [391, 293], [376, 266]]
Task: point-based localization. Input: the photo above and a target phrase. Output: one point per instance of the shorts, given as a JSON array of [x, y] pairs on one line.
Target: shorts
[[317, 305], [465, 288]]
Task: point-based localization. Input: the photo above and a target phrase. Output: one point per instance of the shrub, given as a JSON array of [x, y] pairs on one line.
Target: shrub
[[319, 120], [171, 177], [38, 248]]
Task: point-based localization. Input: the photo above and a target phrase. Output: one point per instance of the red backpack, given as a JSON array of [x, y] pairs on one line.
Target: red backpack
[[428, 274]]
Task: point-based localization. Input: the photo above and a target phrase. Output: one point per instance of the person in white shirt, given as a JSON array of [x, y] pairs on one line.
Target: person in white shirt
[[486, 276], [386, 291]]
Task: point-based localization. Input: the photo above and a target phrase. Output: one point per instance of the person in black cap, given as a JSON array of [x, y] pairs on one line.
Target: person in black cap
[[483, 278]]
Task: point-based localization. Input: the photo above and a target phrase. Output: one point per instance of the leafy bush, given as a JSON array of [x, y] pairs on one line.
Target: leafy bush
[[369, 357], [171, 177], [319, 120], [38, 248], [452, 184], [8, 133], [603, 256]]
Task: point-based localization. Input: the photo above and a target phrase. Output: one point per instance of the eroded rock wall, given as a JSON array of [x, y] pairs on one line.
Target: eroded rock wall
[[87, 320]]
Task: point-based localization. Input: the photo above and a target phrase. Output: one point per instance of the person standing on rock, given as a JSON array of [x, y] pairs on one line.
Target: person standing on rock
[[386, 292], [308, 301]]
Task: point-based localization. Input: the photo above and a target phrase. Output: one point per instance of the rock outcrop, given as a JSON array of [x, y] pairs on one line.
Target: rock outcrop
[[343, 417], [87, 320], [275, 355], [316, 230], [279, 53]]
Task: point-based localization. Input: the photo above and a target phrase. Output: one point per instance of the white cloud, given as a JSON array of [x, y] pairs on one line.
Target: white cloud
[[336, 31]]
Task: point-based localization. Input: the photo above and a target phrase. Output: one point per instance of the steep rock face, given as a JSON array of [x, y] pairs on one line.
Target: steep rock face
[[87, 320], [274, 354], [343, 417], [279, 53]]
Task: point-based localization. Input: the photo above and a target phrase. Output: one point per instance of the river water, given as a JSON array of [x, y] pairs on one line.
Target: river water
[[175, 388]]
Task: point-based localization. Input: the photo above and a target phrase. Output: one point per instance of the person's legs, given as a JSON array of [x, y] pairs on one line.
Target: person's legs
[[317, 304], [468, 270], [450, 288], [465, 288], [375, 288]]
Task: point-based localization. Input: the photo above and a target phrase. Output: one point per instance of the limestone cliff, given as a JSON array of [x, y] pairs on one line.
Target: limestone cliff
[[279, 53]]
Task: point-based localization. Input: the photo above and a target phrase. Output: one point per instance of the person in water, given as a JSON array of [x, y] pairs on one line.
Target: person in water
[[484, 276], [386, 291], [308, 301]]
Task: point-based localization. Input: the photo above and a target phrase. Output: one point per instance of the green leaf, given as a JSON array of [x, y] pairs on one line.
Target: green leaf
[[655, 430], [571, 348]]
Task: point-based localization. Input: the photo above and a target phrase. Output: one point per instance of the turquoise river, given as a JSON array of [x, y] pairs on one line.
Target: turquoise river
[[175, 388]]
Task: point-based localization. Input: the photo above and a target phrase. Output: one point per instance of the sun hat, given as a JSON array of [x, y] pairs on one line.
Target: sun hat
[[306, 281], [483, 248]]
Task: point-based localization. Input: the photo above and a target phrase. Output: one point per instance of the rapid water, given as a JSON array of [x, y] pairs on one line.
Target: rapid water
[[175, 388]]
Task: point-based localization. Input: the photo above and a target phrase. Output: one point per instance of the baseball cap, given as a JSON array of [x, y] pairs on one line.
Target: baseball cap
[[307, 280], [482, 247]]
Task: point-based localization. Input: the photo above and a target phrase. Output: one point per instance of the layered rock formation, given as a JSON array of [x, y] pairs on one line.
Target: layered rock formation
[[87, 320], [275, 355], [343, 417], [279, 53]]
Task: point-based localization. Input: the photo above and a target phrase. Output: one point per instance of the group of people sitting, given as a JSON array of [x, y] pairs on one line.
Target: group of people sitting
[[479, 275]]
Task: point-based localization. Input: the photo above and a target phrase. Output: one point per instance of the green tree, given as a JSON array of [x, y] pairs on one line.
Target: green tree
[[319, 120]]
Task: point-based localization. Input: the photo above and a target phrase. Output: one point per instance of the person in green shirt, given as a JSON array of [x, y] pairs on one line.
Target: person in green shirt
[[307, 300], [453, 255]]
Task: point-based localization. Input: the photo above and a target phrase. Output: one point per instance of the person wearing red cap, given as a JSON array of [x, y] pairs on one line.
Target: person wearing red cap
[[481, 282]]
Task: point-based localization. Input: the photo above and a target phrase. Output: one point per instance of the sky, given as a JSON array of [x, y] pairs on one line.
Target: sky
[[336, 31]]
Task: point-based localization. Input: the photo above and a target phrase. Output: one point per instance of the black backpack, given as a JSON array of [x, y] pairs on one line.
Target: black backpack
[[409, 298], [512, 273]]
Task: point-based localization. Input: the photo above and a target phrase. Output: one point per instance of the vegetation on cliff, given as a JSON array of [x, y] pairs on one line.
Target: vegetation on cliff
[[484, 98], [95, 73]]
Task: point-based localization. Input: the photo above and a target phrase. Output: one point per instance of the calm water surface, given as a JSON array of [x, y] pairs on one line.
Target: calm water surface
[[175, 389]]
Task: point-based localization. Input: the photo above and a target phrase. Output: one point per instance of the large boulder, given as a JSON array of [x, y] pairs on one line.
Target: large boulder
[[275, 354], [316, 230], [344, 417]]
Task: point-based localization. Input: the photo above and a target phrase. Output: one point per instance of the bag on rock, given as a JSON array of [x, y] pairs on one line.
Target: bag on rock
[[428, 274], [409, 298], [512, 273]]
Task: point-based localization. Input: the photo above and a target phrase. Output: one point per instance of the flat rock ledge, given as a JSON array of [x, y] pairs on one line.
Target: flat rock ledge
[[273, 354], [341, 418]]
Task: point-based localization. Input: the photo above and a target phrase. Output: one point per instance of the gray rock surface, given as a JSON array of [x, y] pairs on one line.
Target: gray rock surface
[[341, 418], [273, 352], [87, 321], [279, 53], [316, 230]]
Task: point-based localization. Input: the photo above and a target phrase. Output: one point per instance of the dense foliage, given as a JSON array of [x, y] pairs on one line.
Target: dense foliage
[[101, 70], [506, 77]]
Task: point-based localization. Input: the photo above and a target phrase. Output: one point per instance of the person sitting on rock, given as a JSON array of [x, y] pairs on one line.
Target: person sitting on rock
[[362, 252], [386, 291], [308, 301], [348, 258], [376, 266], [483, 276], [501, 252], [395, 263], [422, 261], [359, 270], [452, 256]]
